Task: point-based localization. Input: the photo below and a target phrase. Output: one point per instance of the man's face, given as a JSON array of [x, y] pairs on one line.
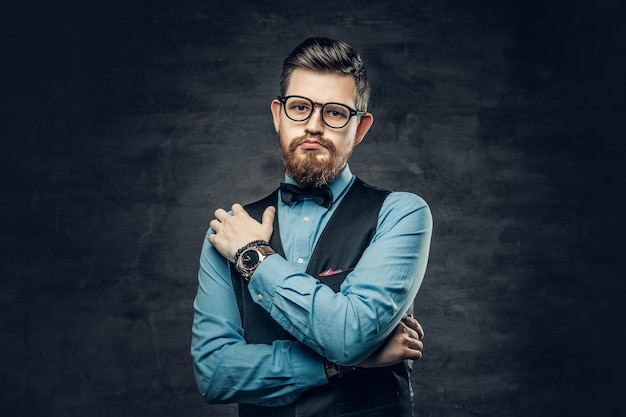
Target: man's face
[[314, 153]]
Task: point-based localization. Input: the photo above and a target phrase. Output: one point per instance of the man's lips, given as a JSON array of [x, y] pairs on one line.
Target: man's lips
[[311, 144]]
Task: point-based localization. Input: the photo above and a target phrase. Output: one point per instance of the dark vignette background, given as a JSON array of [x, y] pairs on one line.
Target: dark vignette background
[[126, 123]]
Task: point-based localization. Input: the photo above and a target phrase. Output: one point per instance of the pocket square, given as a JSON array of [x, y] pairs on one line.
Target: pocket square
[[330, 272]]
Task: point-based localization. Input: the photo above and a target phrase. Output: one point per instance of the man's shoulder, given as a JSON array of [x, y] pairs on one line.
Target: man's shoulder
[[406, 208], [406, 197], [403, 202], [396, 200]]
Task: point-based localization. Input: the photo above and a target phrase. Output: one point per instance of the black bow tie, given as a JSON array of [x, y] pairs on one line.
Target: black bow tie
[[291, 193]]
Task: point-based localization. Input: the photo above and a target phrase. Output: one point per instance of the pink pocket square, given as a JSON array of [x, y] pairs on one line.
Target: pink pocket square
[[330, 272]]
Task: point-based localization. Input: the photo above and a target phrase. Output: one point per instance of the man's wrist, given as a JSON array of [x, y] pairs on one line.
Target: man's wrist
[[248, 258], [247, 246]]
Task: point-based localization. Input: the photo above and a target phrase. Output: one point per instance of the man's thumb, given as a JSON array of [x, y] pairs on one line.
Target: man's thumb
[[268, 216]]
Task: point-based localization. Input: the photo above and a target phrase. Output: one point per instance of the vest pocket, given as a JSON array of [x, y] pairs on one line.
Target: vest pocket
[[334, 281]]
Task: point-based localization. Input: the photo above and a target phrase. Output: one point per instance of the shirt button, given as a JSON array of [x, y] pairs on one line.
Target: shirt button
[[306, 219], [300, 261], [259, 297]]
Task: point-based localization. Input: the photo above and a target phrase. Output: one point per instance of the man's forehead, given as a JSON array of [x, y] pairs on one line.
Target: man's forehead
[[322, 86]]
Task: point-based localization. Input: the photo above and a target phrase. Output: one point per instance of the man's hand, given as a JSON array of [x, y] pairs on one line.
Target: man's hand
[[404, 343], [237, 230]]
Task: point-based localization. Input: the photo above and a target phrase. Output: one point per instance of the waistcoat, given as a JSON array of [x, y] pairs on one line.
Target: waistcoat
[[376, 392]]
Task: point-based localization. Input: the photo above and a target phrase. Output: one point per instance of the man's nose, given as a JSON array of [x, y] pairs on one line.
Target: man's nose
[[315, 124]]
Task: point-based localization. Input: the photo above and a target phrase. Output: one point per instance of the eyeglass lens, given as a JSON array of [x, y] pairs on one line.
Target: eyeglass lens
[[333, 114]]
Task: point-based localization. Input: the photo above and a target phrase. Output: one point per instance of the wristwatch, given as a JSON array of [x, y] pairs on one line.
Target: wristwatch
[[250, 258]]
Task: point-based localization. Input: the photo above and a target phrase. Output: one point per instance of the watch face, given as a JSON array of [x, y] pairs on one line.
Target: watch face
[[250, 258]]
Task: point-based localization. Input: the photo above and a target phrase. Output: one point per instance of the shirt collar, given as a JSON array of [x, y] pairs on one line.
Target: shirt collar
[[339, 186]]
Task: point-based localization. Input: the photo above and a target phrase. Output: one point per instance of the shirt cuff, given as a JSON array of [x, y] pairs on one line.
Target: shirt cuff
[[270, 275], [308, 366]]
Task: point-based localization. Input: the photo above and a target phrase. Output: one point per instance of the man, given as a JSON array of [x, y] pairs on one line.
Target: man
[[303, 296]]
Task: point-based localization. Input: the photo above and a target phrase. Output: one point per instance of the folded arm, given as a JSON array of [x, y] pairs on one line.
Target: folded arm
[[348, 326], [228, 370]]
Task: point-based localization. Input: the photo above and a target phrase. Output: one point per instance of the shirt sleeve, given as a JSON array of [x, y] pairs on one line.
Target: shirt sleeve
[[346, 327], [228, 370]]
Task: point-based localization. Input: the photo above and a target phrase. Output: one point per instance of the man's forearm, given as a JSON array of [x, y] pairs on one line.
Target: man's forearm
[[229, 370], [347, 327], [269, 375]]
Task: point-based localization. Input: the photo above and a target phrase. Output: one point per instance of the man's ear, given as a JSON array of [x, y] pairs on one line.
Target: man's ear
[[275, 106], [363, 127]]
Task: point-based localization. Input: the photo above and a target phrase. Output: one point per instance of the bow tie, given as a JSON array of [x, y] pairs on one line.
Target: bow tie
[[291, 193]]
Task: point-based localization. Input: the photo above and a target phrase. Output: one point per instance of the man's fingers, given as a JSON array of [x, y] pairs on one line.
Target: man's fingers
[[410, 321], [215, 225], [237, 208], [414, 350], [420, 330], [409, 332], [414, 354], [268, 216], [416, 344], [221, 214]]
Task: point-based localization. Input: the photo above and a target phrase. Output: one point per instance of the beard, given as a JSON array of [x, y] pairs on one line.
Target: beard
[[313, 167]]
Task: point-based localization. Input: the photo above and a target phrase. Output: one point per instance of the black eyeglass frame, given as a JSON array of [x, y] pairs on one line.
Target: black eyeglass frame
[[353, 112]]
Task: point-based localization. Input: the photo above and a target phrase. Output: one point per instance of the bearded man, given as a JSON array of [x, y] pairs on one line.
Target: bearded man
[[305, 298]]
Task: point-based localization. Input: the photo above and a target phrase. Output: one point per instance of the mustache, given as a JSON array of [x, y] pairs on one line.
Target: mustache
[[297, 141]]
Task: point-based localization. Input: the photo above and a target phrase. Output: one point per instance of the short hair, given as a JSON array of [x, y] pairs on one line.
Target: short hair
[[323, 54]]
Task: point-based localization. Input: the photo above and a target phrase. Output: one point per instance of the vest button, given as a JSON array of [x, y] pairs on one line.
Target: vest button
[[259, 297]]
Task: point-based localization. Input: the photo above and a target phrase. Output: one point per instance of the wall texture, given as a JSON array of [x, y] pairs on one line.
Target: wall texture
[[126, 123]]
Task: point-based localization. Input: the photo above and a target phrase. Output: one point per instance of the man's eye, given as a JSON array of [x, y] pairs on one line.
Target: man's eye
[[299, 108], [336, 113]]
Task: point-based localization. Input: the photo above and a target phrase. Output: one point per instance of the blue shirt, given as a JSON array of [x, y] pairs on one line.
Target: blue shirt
[[344, 327]]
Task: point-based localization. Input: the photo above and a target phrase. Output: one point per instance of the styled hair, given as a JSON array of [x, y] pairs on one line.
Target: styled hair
[[323, 54]]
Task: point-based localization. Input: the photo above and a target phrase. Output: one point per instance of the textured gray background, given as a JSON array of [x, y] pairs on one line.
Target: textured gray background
[[126, 123]]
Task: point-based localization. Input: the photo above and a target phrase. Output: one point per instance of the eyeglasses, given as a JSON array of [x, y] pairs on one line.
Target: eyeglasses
[[334, 115]]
